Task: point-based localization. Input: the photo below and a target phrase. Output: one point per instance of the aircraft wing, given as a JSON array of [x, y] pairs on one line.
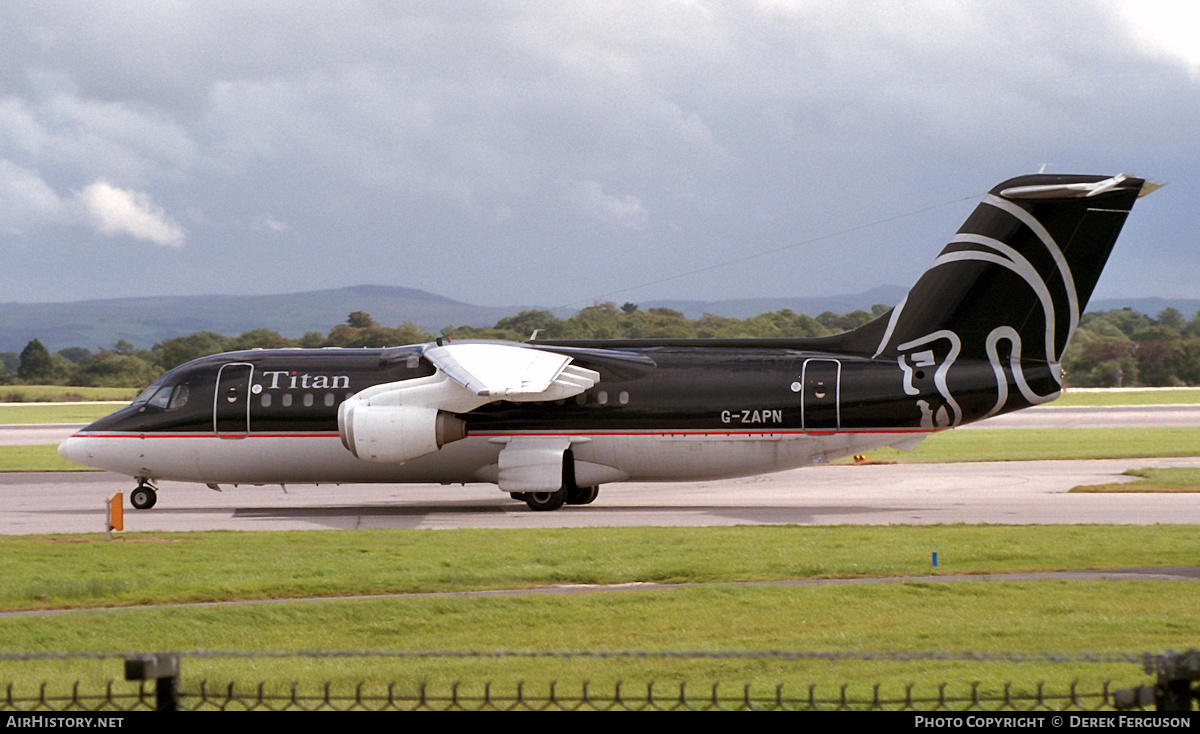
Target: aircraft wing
[[398, 421], [509, 372]]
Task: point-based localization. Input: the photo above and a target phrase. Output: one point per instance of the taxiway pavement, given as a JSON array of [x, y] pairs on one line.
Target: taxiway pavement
[[1027, 492]]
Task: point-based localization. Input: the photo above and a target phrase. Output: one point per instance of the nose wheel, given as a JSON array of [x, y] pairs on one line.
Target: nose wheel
[[144, 497]]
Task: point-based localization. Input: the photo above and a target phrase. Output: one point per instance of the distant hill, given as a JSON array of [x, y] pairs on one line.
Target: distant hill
[[743, 308], [143, 321]]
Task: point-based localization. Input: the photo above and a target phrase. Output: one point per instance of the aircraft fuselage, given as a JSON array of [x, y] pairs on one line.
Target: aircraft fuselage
[[981, 333]]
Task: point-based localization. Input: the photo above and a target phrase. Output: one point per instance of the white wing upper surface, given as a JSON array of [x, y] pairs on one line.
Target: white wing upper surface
[[402, 420], [509, 372]]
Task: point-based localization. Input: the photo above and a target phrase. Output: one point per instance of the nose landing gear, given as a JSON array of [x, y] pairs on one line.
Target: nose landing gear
[[144, 497]]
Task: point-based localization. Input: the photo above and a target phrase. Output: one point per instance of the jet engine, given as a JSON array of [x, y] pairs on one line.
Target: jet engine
[[396, 433], [397, 421]]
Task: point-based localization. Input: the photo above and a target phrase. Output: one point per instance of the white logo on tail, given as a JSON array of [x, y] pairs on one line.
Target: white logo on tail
[[993, 251]]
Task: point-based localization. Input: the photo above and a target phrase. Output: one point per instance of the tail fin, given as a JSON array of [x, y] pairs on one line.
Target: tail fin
[[1021, 268], [1009, 288]]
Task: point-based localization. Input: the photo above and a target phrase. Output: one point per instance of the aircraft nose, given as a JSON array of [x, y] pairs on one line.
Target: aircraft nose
[[72, 450]]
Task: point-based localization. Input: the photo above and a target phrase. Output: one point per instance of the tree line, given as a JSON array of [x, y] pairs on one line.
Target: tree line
[[1110, 348]]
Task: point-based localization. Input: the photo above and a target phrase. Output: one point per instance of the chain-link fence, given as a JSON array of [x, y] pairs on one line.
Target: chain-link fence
[[157, 681]]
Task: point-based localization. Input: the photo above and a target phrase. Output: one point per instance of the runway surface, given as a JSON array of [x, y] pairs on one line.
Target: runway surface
[[1031, 492]]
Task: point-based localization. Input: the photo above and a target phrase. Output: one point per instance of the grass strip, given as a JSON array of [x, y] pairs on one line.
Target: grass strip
[[1041, 444], [64, 393], [978, 616], [148, 568], [984, 616], [36, 457], [43, 413], [1171, 479], [1129, 396]]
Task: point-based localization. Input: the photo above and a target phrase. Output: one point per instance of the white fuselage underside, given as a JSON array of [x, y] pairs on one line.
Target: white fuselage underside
[[322, 459]]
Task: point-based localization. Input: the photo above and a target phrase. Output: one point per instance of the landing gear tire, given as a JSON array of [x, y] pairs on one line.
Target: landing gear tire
[[582, 495], [518, 496], [573, 494], [143, 498], [545, 501]]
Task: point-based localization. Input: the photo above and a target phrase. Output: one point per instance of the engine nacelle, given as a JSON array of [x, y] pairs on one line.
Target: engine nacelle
[[396, 433]]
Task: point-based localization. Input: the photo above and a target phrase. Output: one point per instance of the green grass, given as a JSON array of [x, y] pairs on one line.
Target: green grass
[[1000, 444], [37, 457], [980, 616], [1059, 616], [1129, 396], [64, 393], [41, 413], [84, 571], [1153, 480]]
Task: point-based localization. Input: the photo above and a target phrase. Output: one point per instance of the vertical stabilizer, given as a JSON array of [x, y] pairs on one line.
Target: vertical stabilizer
[[1022, 267], [1009, 288]]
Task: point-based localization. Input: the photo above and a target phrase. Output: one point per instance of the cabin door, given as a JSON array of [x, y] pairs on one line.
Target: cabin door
[[231, 404], [820, 395]]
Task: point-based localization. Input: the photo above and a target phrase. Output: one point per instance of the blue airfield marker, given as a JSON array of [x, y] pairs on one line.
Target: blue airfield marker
[[935, 559]]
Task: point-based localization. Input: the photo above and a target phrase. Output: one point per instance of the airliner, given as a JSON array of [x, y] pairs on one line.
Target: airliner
[[548, 421]]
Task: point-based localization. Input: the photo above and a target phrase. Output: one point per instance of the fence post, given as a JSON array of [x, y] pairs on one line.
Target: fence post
[[1176, 671], [163, 669]]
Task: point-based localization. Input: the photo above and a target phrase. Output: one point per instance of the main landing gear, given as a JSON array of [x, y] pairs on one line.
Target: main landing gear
[[144, 497], [546, 501], [568, 494]]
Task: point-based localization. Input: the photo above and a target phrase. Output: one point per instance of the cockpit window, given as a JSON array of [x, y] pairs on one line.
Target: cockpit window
[[144, 396], [161, 398], [179, 397], [164, 397]]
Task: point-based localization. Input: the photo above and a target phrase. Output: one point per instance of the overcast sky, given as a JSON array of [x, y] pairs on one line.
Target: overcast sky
[[555, 153]]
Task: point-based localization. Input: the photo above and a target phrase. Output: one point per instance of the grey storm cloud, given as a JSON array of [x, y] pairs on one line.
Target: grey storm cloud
[[542, 152]]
